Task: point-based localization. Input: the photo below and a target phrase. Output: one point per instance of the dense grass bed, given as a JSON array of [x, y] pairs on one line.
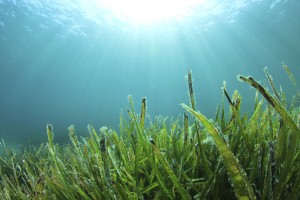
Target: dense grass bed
[[233, 156]]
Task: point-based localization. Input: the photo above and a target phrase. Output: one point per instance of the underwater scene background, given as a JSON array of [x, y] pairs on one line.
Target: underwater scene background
[[75, 62]]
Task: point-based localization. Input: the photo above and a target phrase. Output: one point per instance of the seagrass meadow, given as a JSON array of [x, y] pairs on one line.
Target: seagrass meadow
[[233, 156]]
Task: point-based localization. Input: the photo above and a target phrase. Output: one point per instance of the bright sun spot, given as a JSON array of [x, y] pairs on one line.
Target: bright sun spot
[[149, 11]]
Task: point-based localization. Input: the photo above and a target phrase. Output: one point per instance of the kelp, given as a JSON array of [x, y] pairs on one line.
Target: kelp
[[236, 156]]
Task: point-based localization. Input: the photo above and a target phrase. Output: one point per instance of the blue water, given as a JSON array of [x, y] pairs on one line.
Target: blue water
[[72, 62]]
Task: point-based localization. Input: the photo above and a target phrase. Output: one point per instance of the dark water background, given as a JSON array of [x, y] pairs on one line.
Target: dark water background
[[69, 62]]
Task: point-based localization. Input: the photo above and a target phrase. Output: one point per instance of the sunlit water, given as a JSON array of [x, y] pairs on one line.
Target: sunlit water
[[75, 62]]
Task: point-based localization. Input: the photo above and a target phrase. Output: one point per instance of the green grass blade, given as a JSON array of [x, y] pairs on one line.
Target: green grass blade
[[294, 133], [184, 194], [287, 70], [143, 113], [241, 185], [276, 105]]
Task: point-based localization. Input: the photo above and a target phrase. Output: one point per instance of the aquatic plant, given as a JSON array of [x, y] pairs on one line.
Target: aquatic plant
[[236, 157]]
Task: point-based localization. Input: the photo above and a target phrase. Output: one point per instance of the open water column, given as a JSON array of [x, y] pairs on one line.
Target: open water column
[[75, 62]]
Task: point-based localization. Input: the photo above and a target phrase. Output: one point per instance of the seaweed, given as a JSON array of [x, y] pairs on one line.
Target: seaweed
[[236, 156]]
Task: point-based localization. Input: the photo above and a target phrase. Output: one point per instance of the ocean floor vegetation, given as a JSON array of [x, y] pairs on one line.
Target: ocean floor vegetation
[[233, 156]]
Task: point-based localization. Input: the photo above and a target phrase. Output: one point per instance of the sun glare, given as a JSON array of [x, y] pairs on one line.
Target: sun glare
[[149, 11]]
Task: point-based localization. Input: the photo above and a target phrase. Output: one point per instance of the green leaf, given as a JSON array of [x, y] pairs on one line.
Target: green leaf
[[241, 185]]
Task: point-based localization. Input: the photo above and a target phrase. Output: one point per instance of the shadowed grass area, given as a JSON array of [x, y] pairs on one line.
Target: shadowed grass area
[[234, 157]]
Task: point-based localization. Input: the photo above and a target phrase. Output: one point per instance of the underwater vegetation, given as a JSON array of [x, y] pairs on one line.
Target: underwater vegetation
[[234, 157]]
